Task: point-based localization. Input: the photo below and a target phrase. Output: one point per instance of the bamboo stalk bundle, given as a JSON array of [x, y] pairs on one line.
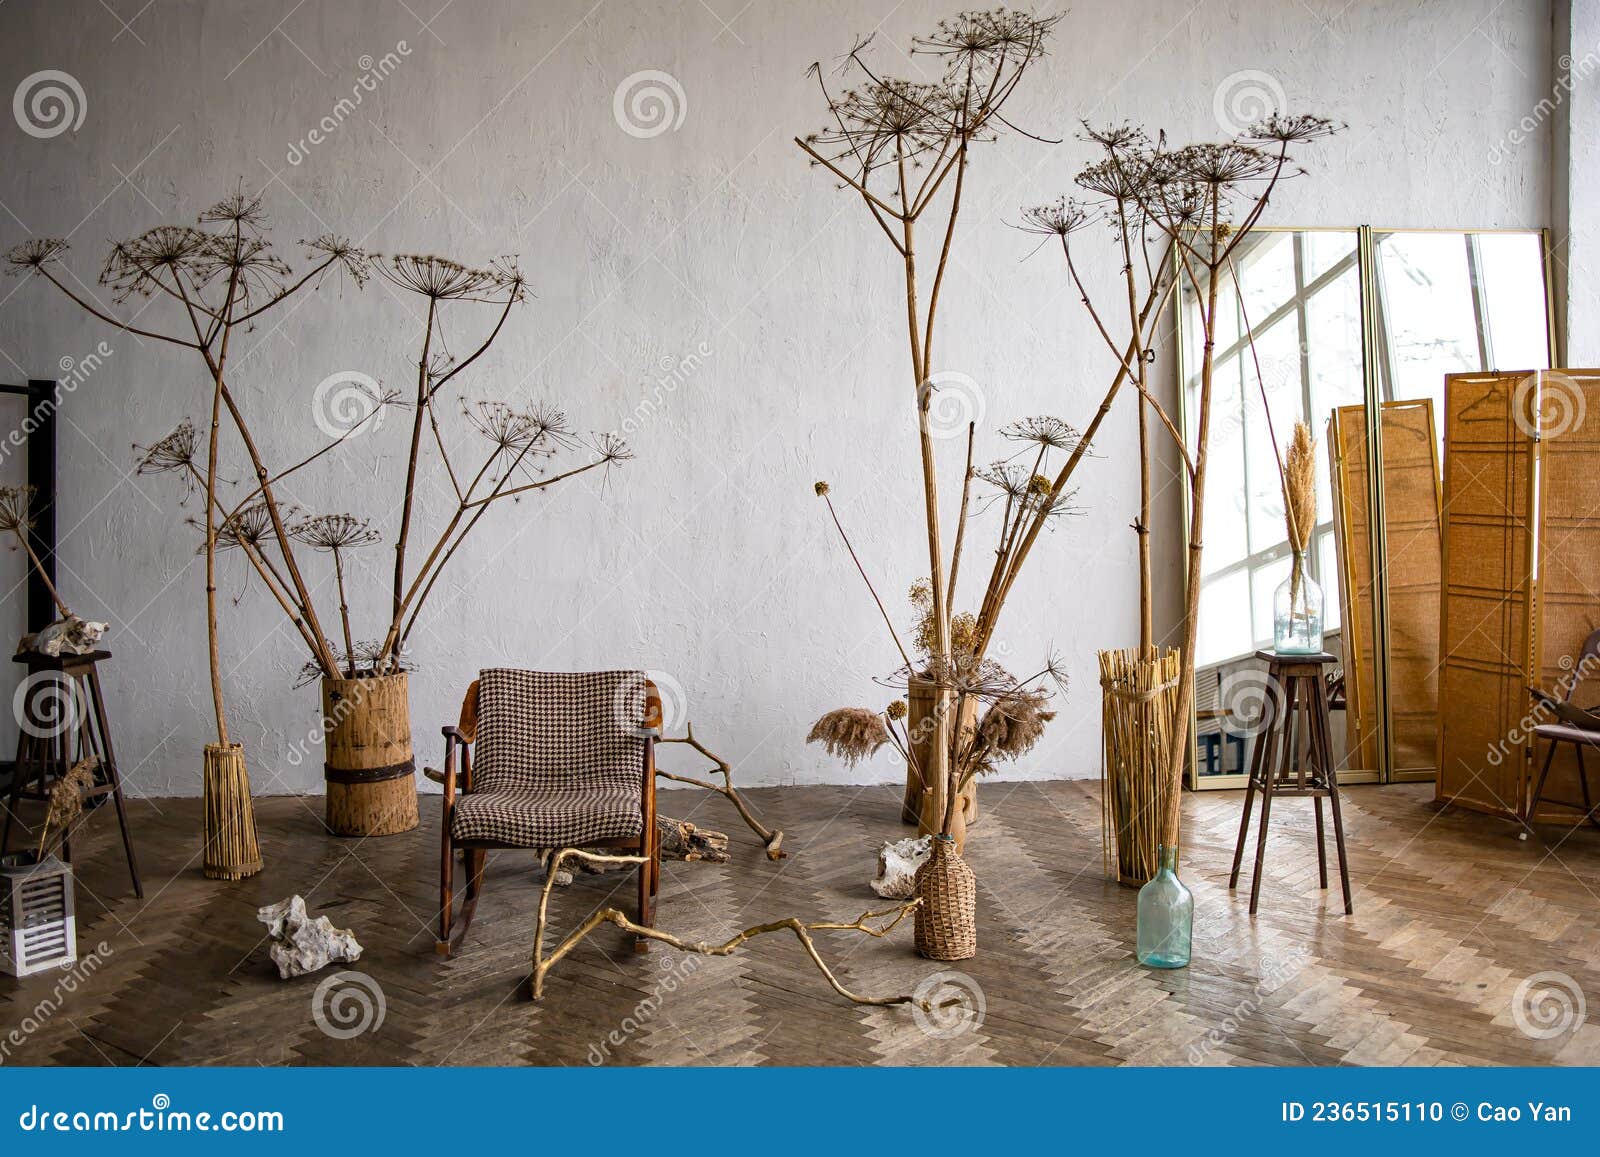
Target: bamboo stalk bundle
[[231, 851], [1139, 698]]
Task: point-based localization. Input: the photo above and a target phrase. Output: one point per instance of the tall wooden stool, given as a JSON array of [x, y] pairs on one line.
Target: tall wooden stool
[[1293, 756], [61, 718]]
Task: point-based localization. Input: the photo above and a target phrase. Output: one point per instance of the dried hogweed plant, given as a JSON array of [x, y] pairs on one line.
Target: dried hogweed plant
[[1179, 217], [905, 148], [220, 277]]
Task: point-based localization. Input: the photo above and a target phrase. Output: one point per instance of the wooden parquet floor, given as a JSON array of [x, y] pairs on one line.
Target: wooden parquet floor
[[1453, 915]]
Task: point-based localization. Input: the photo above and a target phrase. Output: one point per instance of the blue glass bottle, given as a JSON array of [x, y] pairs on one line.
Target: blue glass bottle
[[1166, 916]]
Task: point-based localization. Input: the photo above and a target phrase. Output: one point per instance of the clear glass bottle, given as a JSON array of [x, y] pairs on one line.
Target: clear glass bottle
[[1166, 916], [1297, 612]]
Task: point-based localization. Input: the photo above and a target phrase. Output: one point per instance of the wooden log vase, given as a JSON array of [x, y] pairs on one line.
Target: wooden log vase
[[231, 851], [928, 726], [369, 769]]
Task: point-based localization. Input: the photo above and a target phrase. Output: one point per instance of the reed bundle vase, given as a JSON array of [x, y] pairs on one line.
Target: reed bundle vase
[[1166, 916], [1138, 701]]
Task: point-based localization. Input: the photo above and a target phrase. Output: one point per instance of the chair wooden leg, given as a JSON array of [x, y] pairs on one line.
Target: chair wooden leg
[[1583, 778], [1322, 847], [647, 913], [1261, 841], [1538, 790], [473, 859], [446, 898], [1260, 759], [1256, 757], [1338, 840]]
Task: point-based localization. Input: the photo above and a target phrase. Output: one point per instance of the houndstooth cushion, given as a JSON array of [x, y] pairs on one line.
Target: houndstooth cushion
[[559, 759]]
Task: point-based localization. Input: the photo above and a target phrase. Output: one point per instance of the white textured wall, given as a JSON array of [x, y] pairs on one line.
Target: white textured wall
[[708, 557], [1574, 111]]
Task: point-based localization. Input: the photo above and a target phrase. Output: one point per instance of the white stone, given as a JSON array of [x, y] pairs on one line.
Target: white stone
[[898, 861], [303, 945]]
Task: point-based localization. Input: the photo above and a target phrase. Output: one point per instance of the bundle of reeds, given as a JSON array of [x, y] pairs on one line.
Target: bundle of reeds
[[1139, 694]]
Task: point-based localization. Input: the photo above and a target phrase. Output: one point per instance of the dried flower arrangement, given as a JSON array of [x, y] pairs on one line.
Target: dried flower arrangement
[[1299, 473], [905, 149], [221, 276], [1179, 216]]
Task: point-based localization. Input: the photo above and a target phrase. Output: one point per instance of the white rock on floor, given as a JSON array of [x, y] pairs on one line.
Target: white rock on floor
[[898, 861], [302, 945]]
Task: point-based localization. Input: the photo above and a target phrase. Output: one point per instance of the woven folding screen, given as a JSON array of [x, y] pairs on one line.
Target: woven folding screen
[[1411, 545], [1520, 487], [1347, 475]]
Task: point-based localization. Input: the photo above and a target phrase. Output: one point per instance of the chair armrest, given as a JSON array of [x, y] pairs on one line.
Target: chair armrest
[[454, 741]]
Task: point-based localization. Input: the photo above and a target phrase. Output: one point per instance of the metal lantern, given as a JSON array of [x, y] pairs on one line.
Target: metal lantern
[[37, 929]]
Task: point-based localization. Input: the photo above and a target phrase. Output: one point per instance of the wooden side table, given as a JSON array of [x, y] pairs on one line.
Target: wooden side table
[[1293, 757], [62, 719]]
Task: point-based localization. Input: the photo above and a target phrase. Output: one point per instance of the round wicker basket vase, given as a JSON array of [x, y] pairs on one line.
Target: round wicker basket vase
[[370, 772], [946, 922]]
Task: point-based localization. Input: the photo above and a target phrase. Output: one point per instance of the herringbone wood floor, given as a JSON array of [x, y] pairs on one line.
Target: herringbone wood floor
[[1452, 914]]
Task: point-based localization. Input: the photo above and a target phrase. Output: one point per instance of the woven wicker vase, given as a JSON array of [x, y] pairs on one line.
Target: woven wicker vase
[[946, 921]]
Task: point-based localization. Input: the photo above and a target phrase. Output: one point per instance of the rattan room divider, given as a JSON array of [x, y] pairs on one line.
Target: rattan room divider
[[1406, 636], [1521, 575]]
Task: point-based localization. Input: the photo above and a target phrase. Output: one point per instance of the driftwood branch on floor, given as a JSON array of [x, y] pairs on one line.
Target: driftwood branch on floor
[[678, 840], [773, 839], [801, 929]]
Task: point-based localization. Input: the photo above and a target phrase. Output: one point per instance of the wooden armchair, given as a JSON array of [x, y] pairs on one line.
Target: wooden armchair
[[544, 760]]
